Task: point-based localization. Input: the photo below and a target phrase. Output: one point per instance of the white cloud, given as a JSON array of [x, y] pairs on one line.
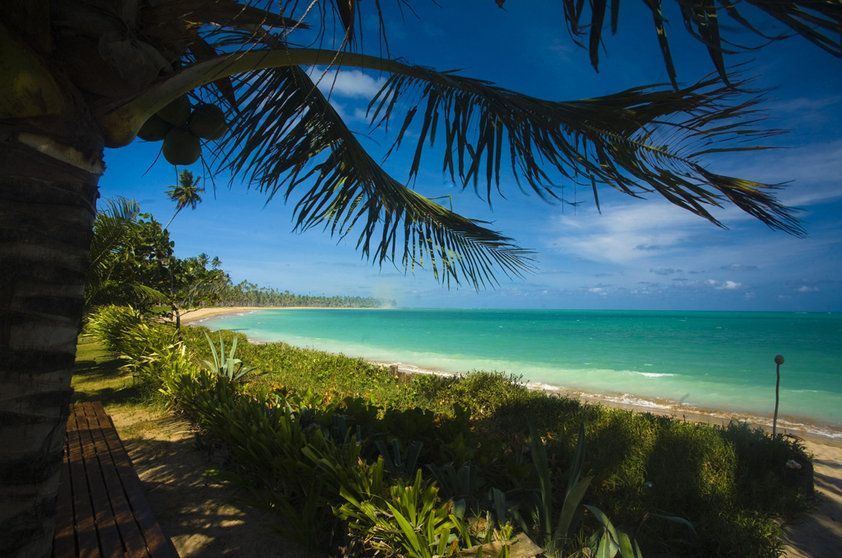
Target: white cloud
[[807, 289], [346, 83], [723, 285], [626, 233]]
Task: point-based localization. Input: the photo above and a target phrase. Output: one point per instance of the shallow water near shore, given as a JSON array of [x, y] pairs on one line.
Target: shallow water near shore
[[707, 360]]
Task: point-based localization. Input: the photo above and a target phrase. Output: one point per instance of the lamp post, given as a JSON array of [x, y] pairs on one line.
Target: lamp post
[[779, 359]]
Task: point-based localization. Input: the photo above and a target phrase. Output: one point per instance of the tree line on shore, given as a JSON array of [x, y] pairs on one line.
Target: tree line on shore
[[133, 263], [246, 293]]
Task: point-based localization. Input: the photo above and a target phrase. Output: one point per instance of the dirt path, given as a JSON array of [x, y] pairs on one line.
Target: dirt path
[[204, 517]]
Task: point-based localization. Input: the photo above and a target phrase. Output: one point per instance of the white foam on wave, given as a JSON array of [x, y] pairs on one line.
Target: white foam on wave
[[654, 374], [628, 399]]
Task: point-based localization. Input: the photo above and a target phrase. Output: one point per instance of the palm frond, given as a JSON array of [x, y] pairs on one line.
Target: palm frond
[[121, 208], [645, 139], [111, 226], [287, 139], [817, 21]]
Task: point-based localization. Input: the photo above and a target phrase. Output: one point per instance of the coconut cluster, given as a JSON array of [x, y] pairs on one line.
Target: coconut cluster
[[182, 126]]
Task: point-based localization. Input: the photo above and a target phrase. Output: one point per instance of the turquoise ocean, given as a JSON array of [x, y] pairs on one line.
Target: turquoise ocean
[[720, 361]]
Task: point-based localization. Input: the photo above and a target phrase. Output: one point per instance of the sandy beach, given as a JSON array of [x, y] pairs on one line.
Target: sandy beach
[[200, 314], [818, 534]]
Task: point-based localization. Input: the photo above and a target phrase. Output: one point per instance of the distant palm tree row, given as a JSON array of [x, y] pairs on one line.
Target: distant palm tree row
[[247, 293]]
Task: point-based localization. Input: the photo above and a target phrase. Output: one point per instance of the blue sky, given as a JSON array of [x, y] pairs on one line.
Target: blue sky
[[641, 254]]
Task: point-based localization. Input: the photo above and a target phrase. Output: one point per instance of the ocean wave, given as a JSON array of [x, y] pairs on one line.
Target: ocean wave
[[644, 404], [654, 374], [628, 399]]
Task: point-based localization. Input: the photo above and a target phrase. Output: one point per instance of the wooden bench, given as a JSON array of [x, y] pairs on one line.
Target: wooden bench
[[101, 508]]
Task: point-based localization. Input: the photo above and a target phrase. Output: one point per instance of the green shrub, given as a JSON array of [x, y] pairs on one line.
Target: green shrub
[[109, 324], [150, 351], [481, 393], [155, 372], [264, 444], [692, 466], [761, 468]]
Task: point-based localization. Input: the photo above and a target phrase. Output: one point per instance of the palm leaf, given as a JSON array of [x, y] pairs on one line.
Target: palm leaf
[[817, 21], [642, 140], [289, 140], [112, 226]]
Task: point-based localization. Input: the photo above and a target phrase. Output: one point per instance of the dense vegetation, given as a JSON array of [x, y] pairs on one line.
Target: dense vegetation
[[357, 460], [246, 293], [133, 263]]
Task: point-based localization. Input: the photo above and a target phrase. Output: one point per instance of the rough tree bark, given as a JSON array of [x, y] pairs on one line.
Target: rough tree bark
[[47, 208]]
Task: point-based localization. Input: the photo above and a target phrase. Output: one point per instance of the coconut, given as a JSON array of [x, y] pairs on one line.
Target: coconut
[[177, 112], [154, 129], [208, 121], [181, 147]]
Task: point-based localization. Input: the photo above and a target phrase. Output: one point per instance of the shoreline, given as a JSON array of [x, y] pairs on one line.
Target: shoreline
[[806, 429], [803, 428], [202, 314]]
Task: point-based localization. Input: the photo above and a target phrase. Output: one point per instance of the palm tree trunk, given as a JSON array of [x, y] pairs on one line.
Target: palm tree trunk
[[174, 215], [47, 210]]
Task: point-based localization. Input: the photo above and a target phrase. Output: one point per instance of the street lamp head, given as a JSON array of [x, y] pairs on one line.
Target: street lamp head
[[779, 359]]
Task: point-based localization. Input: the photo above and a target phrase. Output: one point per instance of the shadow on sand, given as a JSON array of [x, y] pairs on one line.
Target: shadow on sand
[[820, 533], [203, 516]]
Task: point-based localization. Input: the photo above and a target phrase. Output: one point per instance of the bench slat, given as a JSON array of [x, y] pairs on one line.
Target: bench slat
[[158, 545], [109, 539], [83, 517], [126, 525], [101, 507]]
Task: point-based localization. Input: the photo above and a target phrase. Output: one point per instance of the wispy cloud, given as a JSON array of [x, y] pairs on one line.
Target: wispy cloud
[[665, 271], [803, 109], [814, 172], [629, 232], [727, 285], [347, 83]]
